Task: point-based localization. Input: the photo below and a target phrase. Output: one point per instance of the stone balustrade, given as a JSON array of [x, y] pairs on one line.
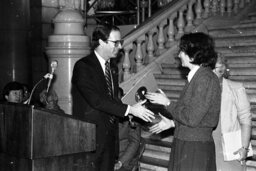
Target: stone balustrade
[[159, 33]]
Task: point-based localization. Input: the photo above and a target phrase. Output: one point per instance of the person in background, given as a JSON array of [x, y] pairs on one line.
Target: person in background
[[50, 100], [234, 115], [95, 96], [26, 93], [196, 112], [130, 143], [13, 92]]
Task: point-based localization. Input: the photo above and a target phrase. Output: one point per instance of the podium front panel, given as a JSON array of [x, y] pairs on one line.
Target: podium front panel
[[32, 133]]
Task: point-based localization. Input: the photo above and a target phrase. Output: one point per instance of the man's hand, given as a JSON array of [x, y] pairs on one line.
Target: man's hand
[[141, 112], [164, 124]]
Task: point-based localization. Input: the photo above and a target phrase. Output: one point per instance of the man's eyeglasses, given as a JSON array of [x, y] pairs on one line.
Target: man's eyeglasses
[[117, 42]]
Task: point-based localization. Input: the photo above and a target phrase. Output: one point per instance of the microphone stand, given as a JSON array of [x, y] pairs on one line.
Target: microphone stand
[[48, 75]]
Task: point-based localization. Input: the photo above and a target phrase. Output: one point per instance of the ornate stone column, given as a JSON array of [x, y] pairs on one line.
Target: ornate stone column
[[66, 45]]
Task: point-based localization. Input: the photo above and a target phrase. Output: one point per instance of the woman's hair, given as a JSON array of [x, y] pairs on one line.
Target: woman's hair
[[223, 62], [102, 32], [200, 48]]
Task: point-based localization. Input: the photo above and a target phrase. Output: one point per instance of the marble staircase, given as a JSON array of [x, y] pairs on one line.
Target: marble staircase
[[238, 44]]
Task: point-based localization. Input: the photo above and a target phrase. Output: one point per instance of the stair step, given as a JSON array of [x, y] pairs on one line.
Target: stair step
[[243, 71], [159, 147], [156, 154], [241, 41], [237, 49], [240, 54], [170, 76], [244, 78], [170, 88], [240, 60], [154, 162], [232, 32], [158, 142], [252, 20], [175, 94], [244, 25], [151, 167], [242, 65], [173, 82]]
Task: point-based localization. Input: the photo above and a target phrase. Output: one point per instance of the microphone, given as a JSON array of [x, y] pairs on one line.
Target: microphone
[[48, 75], [54, 65]]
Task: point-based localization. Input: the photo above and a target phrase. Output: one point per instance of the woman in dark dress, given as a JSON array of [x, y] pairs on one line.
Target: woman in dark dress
[[196, 112]]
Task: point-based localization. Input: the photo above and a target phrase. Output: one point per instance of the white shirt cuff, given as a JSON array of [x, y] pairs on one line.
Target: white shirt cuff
[[127, 110]]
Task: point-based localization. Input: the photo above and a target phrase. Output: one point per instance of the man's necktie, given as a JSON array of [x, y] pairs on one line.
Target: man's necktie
[[108, 78], [109, 84]]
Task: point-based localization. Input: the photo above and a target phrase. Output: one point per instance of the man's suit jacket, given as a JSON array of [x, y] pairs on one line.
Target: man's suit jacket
[[90, 97]]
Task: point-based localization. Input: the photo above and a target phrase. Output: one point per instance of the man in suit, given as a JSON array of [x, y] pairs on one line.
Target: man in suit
[[95, 96]]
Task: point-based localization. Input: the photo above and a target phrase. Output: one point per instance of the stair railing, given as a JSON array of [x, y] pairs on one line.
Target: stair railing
[[160, 32]]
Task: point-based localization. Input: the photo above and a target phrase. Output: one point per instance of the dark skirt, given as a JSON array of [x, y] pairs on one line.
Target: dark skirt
[[192, 156]]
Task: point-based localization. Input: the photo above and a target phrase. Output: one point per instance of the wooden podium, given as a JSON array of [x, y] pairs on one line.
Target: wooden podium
[[37, 139]]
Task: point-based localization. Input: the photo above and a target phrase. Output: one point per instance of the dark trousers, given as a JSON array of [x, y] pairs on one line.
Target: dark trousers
[[106, 150]]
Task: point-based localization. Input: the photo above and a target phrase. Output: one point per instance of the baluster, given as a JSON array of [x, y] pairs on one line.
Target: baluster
[[241, 5], [222, 7], [214, 7], [138, 12], [150, 45], [199, 10], [170, 31], [139, 54], [161, 39], [236, 6], [143, 7], [190, 17], [127, 62], [229, 7], [180, 23], [206, 8]]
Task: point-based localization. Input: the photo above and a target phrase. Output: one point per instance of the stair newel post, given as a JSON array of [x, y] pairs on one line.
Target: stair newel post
[[180, 23], [229, 7], [199, 10], [127, 62], [241, 4], [236, 6], [214, 7], [170, 31], [139, 54], [150, 45], [206, 8], [222, 7], [160, 38], [190, 17]]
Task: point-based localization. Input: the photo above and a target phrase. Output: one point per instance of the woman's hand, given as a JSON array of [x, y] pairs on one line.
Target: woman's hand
[[164, 124], [118, 165], [159, 98], [243, 154]]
